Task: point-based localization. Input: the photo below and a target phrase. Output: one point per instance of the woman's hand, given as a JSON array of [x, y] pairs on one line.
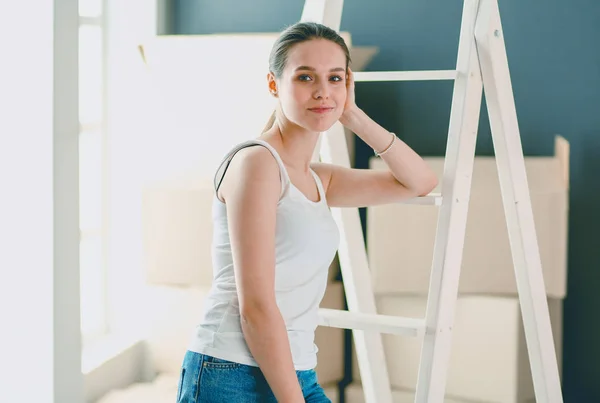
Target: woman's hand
[[350, 107]]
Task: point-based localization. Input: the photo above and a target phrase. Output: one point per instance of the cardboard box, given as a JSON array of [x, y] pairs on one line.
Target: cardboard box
[[332, 392], [170, 318], [401, 237], [354, 394], [177, 232], [489, 359], [330, 341]]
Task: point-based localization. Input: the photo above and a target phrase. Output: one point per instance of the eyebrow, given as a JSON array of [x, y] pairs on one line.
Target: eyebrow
[[313, 69]]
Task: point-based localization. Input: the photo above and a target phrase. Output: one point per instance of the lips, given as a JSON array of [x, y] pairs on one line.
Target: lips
[[321, 109]]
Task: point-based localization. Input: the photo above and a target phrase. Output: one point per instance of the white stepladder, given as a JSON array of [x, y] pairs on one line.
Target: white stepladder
[[481, 64]]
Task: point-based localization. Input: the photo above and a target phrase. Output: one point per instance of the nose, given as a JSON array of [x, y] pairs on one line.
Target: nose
[[321, 91]]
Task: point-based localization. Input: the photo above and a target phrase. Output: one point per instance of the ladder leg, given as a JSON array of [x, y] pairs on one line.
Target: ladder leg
[[517, 203], [357, 281], [326, 12], [452, 218], [352, 252]]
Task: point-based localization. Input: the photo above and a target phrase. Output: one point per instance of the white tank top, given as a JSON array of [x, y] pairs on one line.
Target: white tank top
[[306, 240]]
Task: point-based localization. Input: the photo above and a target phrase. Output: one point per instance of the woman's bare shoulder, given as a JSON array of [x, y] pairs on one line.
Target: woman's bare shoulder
[[251, 170]]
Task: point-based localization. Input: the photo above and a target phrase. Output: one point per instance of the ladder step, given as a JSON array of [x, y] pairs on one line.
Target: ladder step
[[377, 323], [417, 75], [432, 199]]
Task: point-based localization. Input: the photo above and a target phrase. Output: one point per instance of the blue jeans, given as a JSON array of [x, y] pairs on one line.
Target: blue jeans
[[206, 379]]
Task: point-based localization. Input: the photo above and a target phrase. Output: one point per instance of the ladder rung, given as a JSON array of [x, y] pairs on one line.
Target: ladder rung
[[417, 75], [378, 323], [432, 199]]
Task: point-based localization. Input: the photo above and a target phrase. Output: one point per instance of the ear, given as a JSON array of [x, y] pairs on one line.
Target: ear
[[272, 84]]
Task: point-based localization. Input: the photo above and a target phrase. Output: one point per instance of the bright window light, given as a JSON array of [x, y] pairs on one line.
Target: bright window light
[[92, 172], [93, 308], [90, 8], [92, 271], [90, 180], [91, 82]]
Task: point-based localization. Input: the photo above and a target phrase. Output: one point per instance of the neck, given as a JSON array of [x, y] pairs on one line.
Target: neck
[[297, 143]]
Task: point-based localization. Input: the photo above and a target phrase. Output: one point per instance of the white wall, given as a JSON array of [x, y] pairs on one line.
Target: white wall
[[39, 228], [130, 22]]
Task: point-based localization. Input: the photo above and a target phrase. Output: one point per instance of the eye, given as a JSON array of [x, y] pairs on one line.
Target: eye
[[336, 78], [304, 77]]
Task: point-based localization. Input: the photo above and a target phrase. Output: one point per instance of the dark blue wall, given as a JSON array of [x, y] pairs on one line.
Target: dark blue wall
[[554, 55]]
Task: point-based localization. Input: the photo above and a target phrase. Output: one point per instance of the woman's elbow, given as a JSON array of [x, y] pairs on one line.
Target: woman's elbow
[[428, 185], [256, 309]]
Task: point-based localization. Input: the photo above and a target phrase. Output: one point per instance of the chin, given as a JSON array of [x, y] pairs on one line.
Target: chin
[[321, 125]]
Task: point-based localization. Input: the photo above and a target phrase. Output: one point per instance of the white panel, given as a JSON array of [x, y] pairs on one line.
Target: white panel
[[377, 323], [424, 75]]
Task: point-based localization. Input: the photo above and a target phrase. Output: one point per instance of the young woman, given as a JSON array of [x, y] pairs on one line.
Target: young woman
[[274, 236]]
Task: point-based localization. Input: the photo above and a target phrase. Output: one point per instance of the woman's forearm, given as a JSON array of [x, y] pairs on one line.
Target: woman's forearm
[[405, 164], [267, 339]]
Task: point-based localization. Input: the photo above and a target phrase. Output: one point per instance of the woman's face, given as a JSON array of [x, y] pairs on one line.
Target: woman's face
[[312, 88]]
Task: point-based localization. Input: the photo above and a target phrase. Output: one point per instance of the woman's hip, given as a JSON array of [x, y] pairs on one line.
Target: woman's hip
[[206, 379]]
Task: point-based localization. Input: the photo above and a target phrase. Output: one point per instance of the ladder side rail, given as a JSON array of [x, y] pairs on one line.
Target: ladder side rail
[[517, 204], [352, 252], [326, 12], [357, 281], [452, 217]]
